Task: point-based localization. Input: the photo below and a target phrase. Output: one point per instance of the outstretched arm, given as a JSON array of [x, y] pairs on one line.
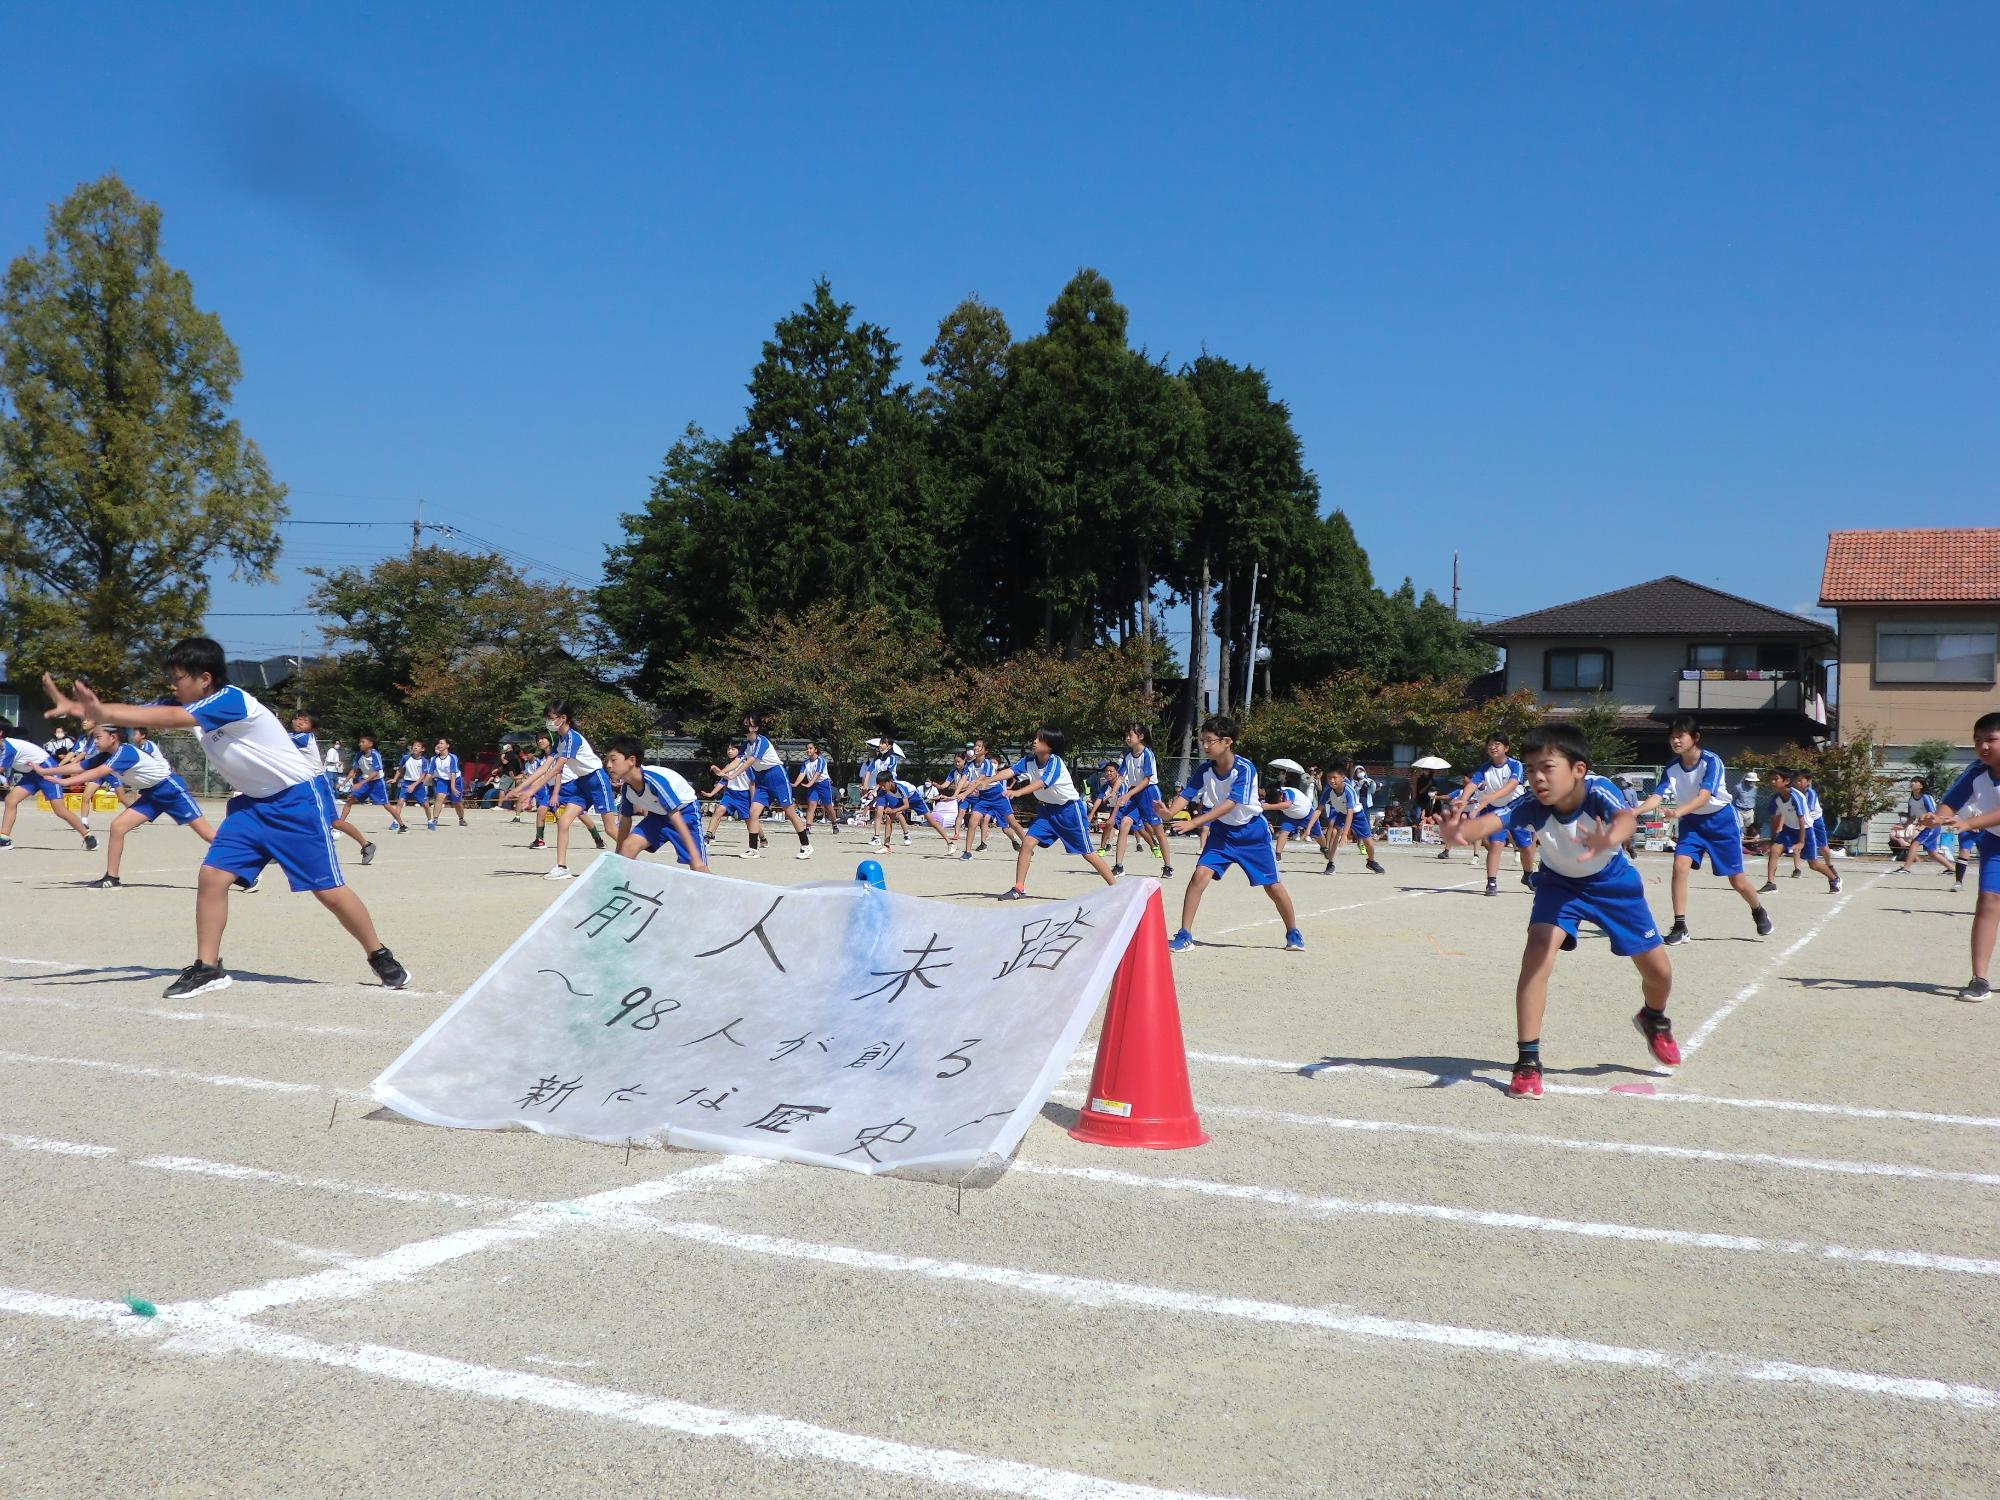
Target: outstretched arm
[[82, 702]]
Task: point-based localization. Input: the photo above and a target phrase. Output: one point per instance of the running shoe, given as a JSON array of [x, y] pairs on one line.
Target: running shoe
[[1659, 1039], [906, 841], [1833, 885], [539, 844], [246, 886], [1115, 869], [1181, 941], [875, 841], [198, 978], [432, 825], [1979, 989], [1374, 868], [1492, 887], [1526, 1083], [1444, 854], [1763, 920], [392, 974], [1528, 879], [1767, 887], [400, 828], [1957, 886], [1013, 893], [1166, 871], [1677, 934], [6, 843], [1329, 868], [90, 843], [559, 872], [1295, 941], [595, 837], [1568, 943], [805, 852], [1900, 870], [966, 855], [367, 854], [106, 883], [751, 854], [1797, 873]]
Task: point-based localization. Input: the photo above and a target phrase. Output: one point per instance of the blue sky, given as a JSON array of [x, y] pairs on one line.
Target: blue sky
[[1671, 289]]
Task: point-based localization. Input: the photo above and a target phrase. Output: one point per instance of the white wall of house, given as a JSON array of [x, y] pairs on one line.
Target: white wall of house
[[1645, 670]]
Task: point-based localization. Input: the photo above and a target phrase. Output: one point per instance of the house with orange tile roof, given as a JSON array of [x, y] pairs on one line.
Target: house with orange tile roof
[[1919, 615]]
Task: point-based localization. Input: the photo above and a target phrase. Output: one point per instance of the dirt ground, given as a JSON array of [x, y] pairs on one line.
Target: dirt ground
[[1774, 1272]]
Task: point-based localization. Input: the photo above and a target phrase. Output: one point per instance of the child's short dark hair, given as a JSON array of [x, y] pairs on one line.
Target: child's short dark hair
[[559, 707], [111, 729], [1145, 734], [1055, 739], [1565, 739], [1919, 781], [628, 745], [7, 726], [1684, 724], [1804, 773], [1111, 766], [312, 719], [196, 655], [363, 734], [1784, 771], [1986, 724], [1499, 737], [1221, 726], [885, 778]]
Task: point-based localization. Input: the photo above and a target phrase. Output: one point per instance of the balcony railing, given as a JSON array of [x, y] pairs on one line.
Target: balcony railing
[[1767, 695]]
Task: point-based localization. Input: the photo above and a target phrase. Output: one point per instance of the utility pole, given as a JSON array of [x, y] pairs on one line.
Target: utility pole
[[1454, 585], [1250, 665], [416, 530]]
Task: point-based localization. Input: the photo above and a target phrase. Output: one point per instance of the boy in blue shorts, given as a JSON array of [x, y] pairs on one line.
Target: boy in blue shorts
[[815, 783], [412, 784], [1695, 792], [1792, 833], [447, 784], [902, 800], [280, 810], [1233, 830], [986, 792], [1344, 815], [31, 769], [1822, 841], [575, 775], [656, 806], [365, 779], [1579, 823], [1972, 807], [1139, 794], [760, 758], [154, 786], [305, 734], [1497, 787], [1923, 834], [1058, 810], [1295, 812]]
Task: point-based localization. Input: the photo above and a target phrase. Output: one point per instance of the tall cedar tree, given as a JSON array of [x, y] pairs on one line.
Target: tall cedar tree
[[123, 478]]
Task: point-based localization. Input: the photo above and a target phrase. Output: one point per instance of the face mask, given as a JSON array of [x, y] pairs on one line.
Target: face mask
[[550, 725]]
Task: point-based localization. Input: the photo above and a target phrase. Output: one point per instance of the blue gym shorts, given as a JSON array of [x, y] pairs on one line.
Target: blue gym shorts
[[736, 803], [591, 791], [171, 798], [408, 790], [1614, 900], [35, 781], [658, 830], [1247, 846], [1363, 829], [1061, 822], [1520, 837], [1143, 811], [293, 827], [1988, 846], [376, 791], [452, 791], [1788, 840], [820, 791], [775, 785], [1713, 836]]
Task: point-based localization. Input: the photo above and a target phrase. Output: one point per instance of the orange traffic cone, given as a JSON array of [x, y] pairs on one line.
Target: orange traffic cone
[[1139, 1094]]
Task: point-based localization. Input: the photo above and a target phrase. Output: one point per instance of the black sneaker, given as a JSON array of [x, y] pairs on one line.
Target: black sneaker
[[1797, 873], [392, 974], [1117, 869], [1763, 920], [1528, 879], [1979, 989], [1166, 871], [1329, 868], [198, 978], [596, 838], [1833, 885], [368, 854], [1767, 887], [90, 843], [1676, 935], [1492, 887], [105, 883], [1374, 869], [1013, 893], [6, 843]]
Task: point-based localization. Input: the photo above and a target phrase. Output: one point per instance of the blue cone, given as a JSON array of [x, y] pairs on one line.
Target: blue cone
[[869, 872]]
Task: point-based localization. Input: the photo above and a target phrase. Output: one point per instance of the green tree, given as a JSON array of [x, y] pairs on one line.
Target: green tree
[[1599, 720], [1428, 640], [1935, 761], [454, 643], [123, 476], [820, 494], [1848, 776]]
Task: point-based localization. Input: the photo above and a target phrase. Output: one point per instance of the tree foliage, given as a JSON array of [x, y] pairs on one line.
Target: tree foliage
[[1600, 721], [1935, 761], [1848, 775], [461, 644], [123, 478], [1355, 713]]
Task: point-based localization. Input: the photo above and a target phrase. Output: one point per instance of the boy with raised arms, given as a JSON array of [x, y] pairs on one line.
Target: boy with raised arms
[[1059, 810], [155, 788], [1234, 833], [1695, 792], [280, 811], [1578, 824]]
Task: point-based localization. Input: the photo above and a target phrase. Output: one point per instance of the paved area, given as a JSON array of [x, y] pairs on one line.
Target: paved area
[[1776, 1272]]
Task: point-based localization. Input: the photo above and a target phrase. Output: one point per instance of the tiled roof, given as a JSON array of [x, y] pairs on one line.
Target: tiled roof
[[1665, 606], [1912, 567]]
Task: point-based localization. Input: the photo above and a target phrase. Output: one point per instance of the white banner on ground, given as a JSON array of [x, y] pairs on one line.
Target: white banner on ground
[[834, 1024]]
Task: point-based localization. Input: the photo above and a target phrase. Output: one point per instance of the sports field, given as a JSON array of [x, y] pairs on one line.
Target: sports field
[[1776, 1272]]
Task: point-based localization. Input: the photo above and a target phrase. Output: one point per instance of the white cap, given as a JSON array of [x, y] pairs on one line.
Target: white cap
[[1752, 776]]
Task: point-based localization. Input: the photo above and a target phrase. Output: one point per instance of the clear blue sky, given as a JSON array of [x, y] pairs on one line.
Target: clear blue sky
[[1592, 292]]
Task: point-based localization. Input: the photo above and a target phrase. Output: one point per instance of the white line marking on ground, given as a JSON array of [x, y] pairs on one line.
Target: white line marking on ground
[[1328, 1206], [58, 1148], [1409, 1075], [319, 984], [1571, 1143], [219, 1017], [1730, 1006], [312, 1253], [1092, 1292], [222, 1080], [197, 1331], [1327, 911], [358, 1278], [232, 1172]]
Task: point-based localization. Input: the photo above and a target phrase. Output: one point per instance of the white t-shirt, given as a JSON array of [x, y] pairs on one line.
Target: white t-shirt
[[1052, 783], [247, 745], [1212, 789], [1560, 843], [665, 791]]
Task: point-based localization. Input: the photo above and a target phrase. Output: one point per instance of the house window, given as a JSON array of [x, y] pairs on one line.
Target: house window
[[10, 707], [1934, 651], [1576, 669], [1743, 656]]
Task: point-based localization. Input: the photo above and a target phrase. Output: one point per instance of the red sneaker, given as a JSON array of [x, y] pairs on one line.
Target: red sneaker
[[1526, 1084], [1659, 1039]]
